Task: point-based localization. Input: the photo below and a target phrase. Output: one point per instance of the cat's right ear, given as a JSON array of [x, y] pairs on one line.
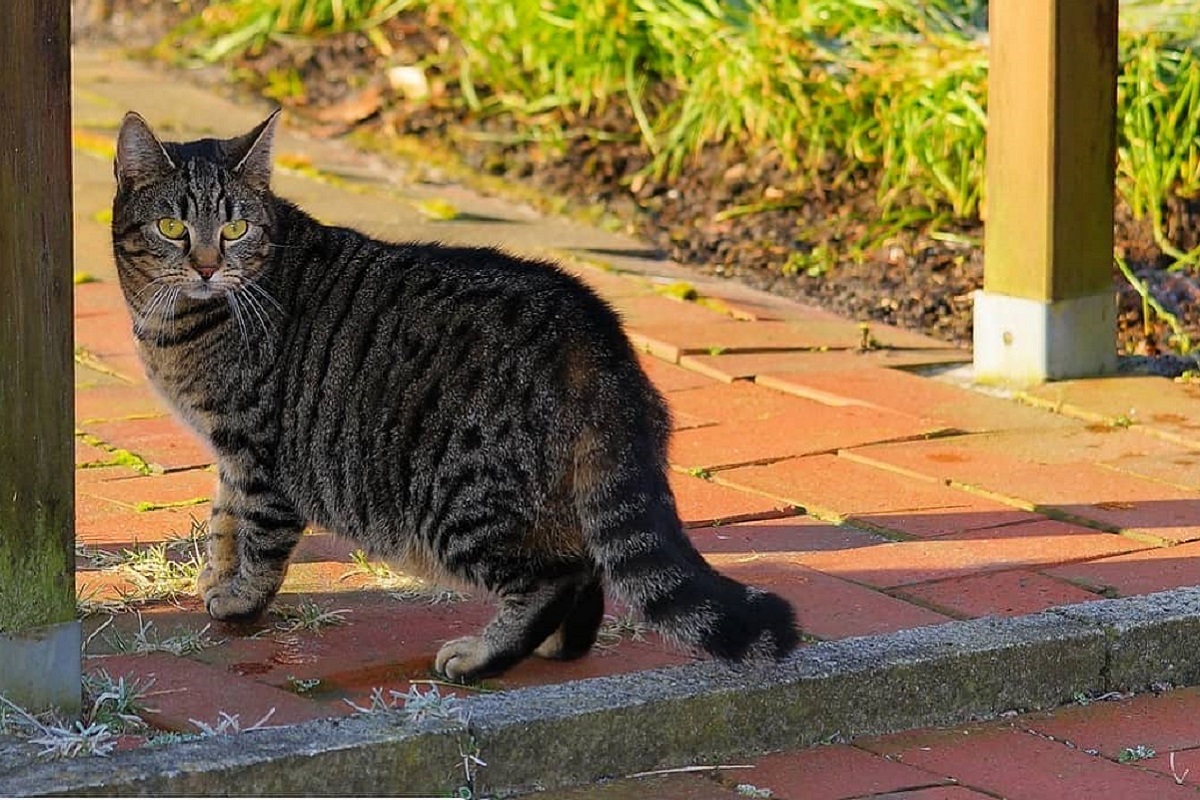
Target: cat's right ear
[[141, 158]]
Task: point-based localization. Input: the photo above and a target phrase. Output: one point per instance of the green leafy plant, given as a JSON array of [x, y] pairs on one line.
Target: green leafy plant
[[1138, 752]]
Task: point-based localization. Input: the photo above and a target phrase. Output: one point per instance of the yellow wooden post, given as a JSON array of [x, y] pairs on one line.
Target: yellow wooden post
[[39, 635], [1047, 309]]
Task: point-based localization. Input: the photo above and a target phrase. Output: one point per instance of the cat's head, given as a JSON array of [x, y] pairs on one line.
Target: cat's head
[[193, 216]]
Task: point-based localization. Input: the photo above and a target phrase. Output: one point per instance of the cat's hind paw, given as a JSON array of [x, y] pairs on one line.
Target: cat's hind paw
[[462, 659]]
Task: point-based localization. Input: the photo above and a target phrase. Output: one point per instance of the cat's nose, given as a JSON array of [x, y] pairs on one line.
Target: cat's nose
[[206, 261]]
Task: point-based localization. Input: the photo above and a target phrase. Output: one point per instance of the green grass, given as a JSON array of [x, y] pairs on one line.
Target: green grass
[[895, 90]]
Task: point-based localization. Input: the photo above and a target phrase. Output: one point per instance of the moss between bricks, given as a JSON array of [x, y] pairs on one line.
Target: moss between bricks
[[192, 501], [117, 456]]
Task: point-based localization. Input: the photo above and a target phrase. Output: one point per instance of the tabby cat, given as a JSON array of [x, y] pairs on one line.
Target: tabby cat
[[477, 417]]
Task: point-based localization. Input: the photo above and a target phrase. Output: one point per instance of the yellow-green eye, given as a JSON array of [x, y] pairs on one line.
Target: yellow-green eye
[[172, 228], [234, 230]]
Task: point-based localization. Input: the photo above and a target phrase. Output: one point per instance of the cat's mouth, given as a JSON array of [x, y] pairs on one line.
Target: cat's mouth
[[201, 289]]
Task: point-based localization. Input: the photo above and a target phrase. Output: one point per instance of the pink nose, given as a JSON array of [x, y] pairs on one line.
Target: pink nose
[[205, 271]]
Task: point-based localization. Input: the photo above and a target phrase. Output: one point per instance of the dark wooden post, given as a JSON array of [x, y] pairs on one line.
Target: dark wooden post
[[39, 636], [1048, 308]]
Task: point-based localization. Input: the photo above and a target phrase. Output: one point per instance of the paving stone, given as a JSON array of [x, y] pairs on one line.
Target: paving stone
[[833, 772], [817, 428], [669, 377], [95, 373], [751, 304], [162, 441], [784, 535], [102, 296], [949, 405], [104, 334], [1074, 443], [935, 793], [87, 454], [1181, 766], [116, 525], [1022, 546], [681, 421], [128, 368], [1082, 490], [826, 607], [142, 493], [611, 656], [843, 488], [1143, 572], [701, 502], [1005, 594], [94, 586], [1162, 722], [745, 366], [1168, 407], [680, 337], [608, 283], [1180, 468], [657, 311], [1008, 763], [379, 636], [324, 546], [739, 402], [117, 401], [186, 690]]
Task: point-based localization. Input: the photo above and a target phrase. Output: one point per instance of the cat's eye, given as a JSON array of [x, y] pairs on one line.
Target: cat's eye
[[234, 230], [172, 228]]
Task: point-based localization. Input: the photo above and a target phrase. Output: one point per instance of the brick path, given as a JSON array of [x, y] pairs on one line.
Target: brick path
[[873, 498], [1124, 749]]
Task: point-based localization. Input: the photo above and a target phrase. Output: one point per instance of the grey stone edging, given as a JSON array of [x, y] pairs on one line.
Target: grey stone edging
[[694, 714]]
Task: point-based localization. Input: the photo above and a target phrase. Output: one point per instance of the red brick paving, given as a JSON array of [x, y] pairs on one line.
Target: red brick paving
[[747, 366], [785, 535], [826, 606], [1083, 490], [776, 405], [1006, 594], [702, 502], [1011, 763], [116, 401], [842, 488], [163, 442], [833, 772], [1143, 572], [1162, 722], [1027, 545], [901, 391]]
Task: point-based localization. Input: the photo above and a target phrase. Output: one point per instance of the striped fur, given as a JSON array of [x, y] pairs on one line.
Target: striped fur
[[476, 414]]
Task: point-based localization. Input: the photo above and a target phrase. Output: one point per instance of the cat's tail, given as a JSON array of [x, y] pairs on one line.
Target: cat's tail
[[633, 531]]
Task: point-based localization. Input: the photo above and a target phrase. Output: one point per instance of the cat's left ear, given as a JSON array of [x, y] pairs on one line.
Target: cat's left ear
[[251, 154]]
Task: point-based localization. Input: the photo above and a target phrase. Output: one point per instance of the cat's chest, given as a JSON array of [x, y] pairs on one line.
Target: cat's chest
[[183, 385]]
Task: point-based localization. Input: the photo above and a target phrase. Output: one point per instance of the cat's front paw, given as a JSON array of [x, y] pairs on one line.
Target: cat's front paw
[[462, 659], [210, 578], [231, 599]]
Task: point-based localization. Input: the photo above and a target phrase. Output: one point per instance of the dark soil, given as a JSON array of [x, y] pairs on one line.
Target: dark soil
[[820, 239]]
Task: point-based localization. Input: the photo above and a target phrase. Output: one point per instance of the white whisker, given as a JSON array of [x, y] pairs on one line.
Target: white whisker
[[258, 289], [237, 315], [264, 317]]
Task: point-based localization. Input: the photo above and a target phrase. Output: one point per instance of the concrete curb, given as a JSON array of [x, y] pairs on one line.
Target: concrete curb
[[699, 713]]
